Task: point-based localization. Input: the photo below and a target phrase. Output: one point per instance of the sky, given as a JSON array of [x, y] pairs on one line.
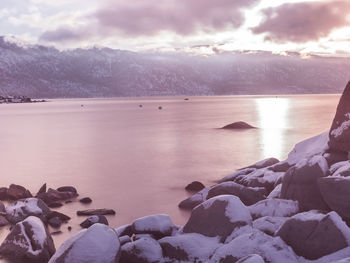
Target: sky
[[319, 27]]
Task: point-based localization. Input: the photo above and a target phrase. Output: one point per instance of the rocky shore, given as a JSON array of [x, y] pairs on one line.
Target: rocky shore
[[17, 99], [296, 210]]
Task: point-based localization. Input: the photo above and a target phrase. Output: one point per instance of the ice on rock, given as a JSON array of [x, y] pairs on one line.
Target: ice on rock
[[274, 207], [157, 225]]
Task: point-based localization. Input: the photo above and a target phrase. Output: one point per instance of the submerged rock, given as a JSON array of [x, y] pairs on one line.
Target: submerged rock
[[52, 196], [195, 186], [67, 189], [85, 200], [28, 241], [91, 220], [96, 212], [239, 125], [3, 193]]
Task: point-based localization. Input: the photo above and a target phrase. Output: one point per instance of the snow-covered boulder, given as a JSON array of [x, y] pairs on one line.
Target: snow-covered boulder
[[272, 249], [276, 192], [97, 244], [188, 247], [195, 199], [124, 230], [218, 216], [306, 149], [251, 259], [238, 174], [300, 183], [314, 235], [335, 191], [274, 207], [269, 224], [339, 134], [101, 219], [333, 157], [341, 170], [156, 225], [21, 209], [143, 250], [248, 195], [28, 241]]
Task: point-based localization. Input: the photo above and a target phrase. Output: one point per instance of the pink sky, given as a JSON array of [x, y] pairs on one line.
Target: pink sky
[[199, 26]]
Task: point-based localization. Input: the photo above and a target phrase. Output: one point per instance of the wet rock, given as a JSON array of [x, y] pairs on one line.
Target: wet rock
[[124, 239], [218, 217], [314, 235], [94, 220], [55, 222], [144, 250], [156, 225], [195, 200], [69, 228], [3, 221], [67, 189], [16, 192], [97, 244], [3, 193], [248, 195], [239, 125], [62, 217], [28, 241], [56, 233], [336, 193], [21, 209], [52, 196], [85, 200], [300, 183], [124, 230], [42, 190], [274, 207], [96, 212], [188, 247], [195, 186], [339, 133], [55, 205]]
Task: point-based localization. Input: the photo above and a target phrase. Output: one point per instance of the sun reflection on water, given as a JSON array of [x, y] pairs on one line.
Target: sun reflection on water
[[273, 123]]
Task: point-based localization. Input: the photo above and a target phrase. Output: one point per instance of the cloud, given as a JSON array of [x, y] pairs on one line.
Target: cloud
[[303, 21], [151, 17]]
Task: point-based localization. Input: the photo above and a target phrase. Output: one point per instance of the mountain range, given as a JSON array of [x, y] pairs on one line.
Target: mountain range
[[45, 72]]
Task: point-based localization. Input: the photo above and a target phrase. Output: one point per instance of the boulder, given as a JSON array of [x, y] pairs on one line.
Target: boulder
[[3, 221], [28, 241], [339, 133], [53, 196], [67, 189], [96, 212], [62, 217], [55, 222], [280, 167], [94, 220], [195, 200], [97, 244], [274, 207], [195, 186], [248, 195], [143, 250], [251, 259], [124, 230], [272, 249], [239, 125], [124, 239], [300, 183], [336, 193], [218, 217], [156, 225], [314, 235], [21, 209], [333, 157], [269, 224], [2, 207], [276, 192], [85, 200], [188, 248], [3, 193], [341, 170], [42, 190], [16, 192]]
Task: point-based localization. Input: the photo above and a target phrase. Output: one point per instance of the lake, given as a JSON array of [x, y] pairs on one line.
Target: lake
[[137, 160]]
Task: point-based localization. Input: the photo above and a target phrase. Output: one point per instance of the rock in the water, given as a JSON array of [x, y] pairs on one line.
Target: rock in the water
[[55, 205], [272, 249], [336, 193], [239, 125], [300, 183], [94, 220], [218, 216], [67, 189], [53, 196], [21, 209], [16, 192], [96, 212], [195, 186], [85, 200], [97, 244], [156, 225], [276, 192], [55, 222], [314, 235], [269, 224], [188, 247], [62, 217], [195, 200], [274, 207], [251, 259], [124, 230], [42, 189], [339, 135], [143, 250], [3, 193], [28, 241], [248, 195]]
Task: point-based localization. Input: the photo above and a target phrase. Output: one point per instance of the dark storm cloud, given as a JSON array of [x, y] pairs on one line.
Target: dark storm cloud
[[64, 35], [302, 22], [149, 17]]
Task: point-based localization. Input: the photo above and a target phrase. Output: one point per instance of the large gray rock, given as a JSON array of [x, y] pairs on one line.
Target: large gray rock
[[339, 134], [156, 225], [143, 250], [28, 241], [274, 207], [195, 199], [91, 220], [300, 183], [269, 224], [218, 217], [21, 209], [97, 244], [248, 195], [336, 193], [314, 235]]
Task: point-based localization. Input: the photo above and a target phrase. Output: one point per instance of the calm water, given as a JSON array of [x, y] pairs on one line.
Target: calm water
[[138, 160]]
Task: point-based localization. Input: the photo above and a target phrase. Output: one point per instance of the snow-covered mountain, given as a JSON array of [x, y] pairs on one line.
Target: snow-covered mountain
[[45, 72]]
